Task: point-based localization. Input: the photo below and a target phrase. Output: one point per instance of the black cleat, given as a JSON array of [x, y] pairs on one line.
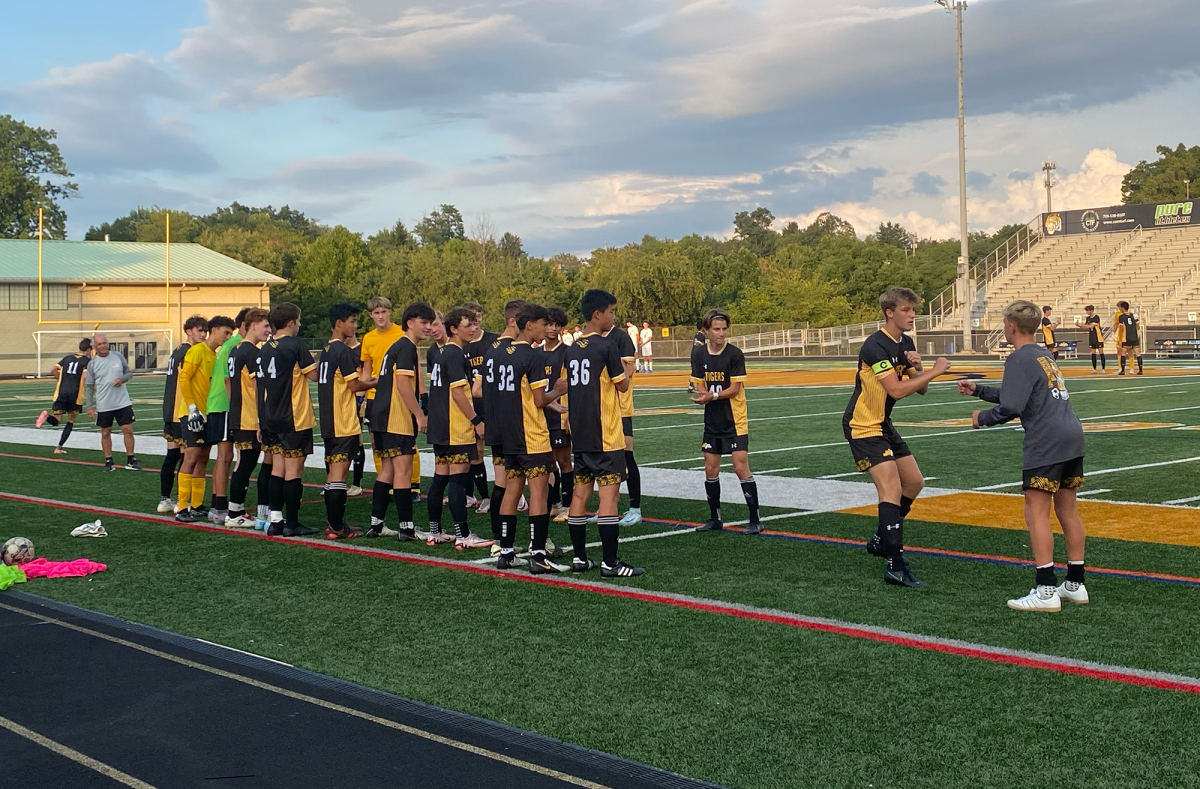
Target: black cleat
[[188, 516], [134, 465], [711, 525], [753, 529], [108, 465], [620, 570], [406, 535], [582, 565], [507, 561], [875, 545], [903, 576], [540, 564], [275, 529], [298, 531]]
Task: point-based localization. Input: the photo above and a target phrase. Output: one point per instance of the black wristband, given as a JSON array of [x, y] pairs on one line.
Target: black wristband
[[478, 420]]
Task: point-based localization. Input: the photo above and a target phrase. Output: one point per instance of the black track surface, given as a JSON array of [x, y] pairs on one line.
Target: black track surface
[[172, 725]]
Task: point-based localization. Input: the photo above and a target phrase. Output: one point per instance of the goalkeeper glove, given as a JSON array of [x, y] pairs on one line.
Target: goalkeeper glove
[[195, 419]]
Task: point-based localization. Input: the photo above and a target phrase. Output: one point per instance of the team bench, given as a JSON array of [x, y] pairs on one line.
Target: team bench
[[1184, 346], [1068, 349]]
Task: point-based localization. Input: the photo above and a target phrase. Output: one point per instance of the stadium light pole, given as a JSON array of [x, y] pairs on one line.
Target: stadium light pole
[[965, 286], [1187, 184], [1048, 168]]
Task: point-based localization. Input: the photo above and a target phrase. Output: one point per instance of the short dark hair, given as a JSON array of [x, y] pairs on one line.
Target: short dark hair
[[474, 307], [455, 317], [85, 344], [342, 311], [1090, 307], [700, 324], [512, 308], [595, 300], [715, 314], [1047, 308], [1123, 305], [894, 297], [418, 309], [240, 319], [222, 320], [531, 312], [283, 314], [254, 315], [196, 322], [558, 316]]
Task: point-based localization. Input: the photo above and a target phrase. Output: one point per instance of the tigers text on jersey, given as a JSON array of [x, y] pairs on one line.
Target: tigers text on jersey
[[493, 357], [242, 371], [448, 370], [628, 352], [518, 369], [388, 412], [284, 404], [870, 406], [339, 411], [171, 392], [553, 360], [593, 367], [476, 350], [724, 418], [70, 378]]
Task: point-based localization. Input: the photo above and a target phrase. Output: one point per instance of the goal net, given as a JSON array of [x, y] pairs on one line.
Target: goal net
[[144, 349]]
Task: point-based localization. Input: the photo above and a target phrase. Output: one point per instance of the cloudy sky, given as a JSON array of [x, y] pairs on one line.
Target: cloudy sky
[[580, 123]]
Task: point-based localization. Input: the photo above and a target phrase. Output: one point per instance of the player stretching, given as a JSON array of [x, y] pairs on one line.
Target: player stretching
[[68, 393], [885, 360], [195, 379], [560, 438], [1128, 338], [1034, 390], [1095, 337], [1048, 327], [195, 329], [719, 374], [241, 377]]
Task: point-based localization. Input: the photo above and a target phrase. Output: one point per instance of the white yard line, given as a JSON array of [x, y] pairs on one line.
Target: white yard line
[[1093, 492], [1182, 501], [819, 413], [1103, 471]]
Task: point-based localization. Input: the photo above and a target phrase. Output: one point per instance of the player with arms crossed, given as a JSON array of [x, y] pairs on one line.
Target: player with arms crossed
[[885, 361], [1034, 390], [1095, 337], [1129, 341], [719, 375], [68, 394], [241, 383], [338, 381]]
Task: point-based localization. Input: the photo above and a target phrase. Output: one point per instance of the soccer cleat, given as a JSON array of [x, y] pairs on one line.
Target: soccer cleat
[[261, 524], [353, 490], [875, 545], [632, 518], [485, 506], [495, 548], [298, 531], [41, 420], [753, 529], [439, 538], [60, 451], [165, 506], [381, 531], [582, 565], [423, 535], [1041, 598], [275, 529], [406, 535], [552, 550], [620, 570], [540, 564], [344, 533], [522, 505], [1139, 372], [108, 465], [218, 517], [133, 465], [93, 529], [471, 501], [188, 516], [593, 518], [508, 561], [416, 495], [711, 525], [1079, 596], [562, 516], [472, 541], [241, 521], [903, 576], [1121, 373]]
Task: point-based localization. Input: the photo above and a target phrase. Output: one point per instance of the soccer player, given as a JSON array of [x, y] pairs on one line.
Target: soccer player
[[285, 418], [1128, 336], [633, 476], [453, 427], [216, 419], [375, 344], [479, 343], [563, 486], [341, 432], [520, 391], [195, 329], [719, 373], [886, 359], [485, 388], [632, 331], [195, 379], [1048, 328], [596, 377], [1095, 338], [1034, 390], [647, 345], [68, 392], [396, 418], [108, 400], [241, 384]]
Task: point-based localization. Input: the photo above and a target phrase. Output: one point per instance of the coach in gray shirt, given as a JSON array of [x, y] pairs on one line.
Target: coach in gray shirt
[[108, 400]]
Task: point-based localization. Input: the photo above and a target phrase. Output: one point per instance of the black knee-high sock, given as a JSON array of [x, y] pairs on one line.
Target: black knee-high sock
[[508, 532], [240, 482], [166, 475], [479, 476], [294, 489], [905, 506], [457, 490], [1139, 363], [66, 433], [52, 421], [277, 494], [1093, 360], [568, 487], [540, 525], [554, 489], [578, 529], [634, 479], [609, 532], [712, 491], [335, 504], [433, 502], [1103, 366], [497, 500], [750, 491], [264, 485], [891, 529], [404, 506], [359, 464], [381, 496], [1123, 358]]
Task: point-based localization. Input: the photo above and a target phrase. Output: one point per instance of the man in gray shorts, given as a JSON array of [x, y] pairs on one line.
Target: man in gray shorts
[[108, 400]]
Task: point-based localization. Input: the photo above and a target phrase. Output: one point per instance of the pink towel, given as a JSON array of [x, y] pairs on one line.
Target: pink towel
[[42, 568]]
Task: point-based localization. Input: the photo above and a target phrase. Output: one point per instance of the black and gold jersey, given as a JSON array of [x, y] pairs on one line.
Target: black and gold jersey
[[593, 367], [1095, 334], [339, 411], [494, 357], [726, 417], [1127, 324], [69, 386], [870, 406], [284, 402], [171, 391], [476, 350], [388, 412], [519, 370], [553, 359], [1047, 333], [628, 352], [448, 370], [242, 372]]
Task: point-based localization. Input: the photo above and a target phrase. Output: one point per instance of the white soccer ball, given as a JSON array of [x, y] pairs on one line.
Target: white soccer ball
[[18, 550]]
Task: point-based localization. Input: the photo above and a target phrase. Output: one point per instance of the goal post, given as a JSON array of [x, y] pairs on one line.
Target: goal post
[[146, 350]]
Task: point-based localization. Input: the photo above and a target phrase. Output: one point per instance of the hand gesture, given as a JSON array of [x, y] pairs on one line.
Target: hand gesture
[[966, 387], [703, 398], [914, 359], [422, 423], [942, 365], [560, 387]]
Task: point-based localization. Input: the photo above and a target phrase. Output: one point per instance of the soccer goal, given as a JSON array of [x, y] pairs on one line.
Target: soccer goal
[[144, 349]]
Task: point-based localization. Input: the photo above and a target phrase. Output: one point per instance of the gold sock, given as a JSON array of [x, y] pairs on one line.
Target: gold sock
[[198, 486], [185, 490], [416, 475]]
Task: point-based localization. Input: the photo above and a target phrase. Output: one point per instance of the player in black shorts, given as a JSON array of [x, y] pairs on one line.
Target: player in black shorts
[[563, 483], [719, 374], [1095, 337], [195, 329], [1129, 341], [1048, 328], [886, 359], [484, 390], [477, 343], [241, 382], [341, 432], [633, 475], [68, 393]]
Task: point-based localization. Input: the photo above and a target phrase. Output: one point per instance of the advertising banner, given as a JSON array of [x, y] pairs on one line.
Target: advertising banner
[[1117, 218]]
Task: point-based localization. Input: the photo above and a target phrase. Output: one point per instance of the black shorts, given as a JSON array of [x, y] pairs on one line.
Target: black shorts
[[216, 427], [528, 466], [603, 468], [872, 451], [63, 406], [627, 426], [559, 439], [497, 454], [393, 445], [1052, 478], [1096, 346], [1128, 345], [193, 440], [292, 444], [245, 439], [714, 445], [444, 455], [172, 432], [122, 416], [341, 449]]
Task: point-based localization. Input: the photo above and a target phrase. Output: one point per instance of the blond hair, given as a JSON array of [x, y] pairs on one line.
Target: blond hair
[[894, 297], [1024, 315], [377, 302]]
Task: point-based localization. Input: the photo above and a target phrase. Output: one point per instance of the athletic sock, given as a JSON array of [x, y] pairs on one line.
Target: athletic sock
[[66, 433], [199, 484], [1046, 576], [264, 484], [404, 506], [508, 532], [891, 529], [53, 422], [554, 490], [129, 458], [540, 526], [905, 506], [239, 481], [1123, 364], [750, 491], [277, 495], [381, 496], [220, 503], [433, 504], [1074, 573], [712, 491], [568, 487], [609, 531], [633, 477], [335, 504], [359, 465], [185, 491], [1103, 365], [166, 474], [294, 489], [1093, 361], [578, 529], [1139, 364], [479, 475], [494, 512], [457, 489]]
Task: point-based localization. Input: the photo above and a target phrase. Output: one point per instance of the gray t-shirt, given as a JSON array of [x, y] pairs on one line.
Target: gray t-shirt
[[102, 372], [1034, 390]]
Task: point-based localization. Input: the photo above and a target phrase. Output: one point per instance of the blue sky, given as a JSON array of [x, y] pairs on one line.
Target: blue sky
[[576, 124]]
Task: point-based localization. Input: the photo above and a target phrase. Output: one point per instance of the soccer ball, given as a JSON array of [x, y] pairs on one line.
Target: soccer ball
[[18, 550]]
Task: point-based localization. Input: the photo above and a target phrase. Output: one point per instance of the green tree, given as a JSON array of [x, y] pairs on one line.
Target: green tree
[[440, 226], [1162, 180], [893, 234], [826, 224], [662, 289], [510, 246], [395, 237], [33, 175], [328, 272], [753, 229]]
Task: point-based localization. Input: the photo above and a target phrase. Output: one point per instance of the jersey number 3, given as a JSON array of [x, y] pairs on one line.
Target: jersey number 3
[[581, 372]]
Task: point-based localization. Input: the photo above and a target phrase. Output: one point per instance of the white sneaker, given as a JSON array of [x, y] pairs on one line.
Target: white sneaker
[[166, 507], [632, 518], [384, 530], [218, 517], [93, 529], [1079, 596], [522, 505], [471, 501], [353, 490], [485, 506], [239, 521], [1041, 598]]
